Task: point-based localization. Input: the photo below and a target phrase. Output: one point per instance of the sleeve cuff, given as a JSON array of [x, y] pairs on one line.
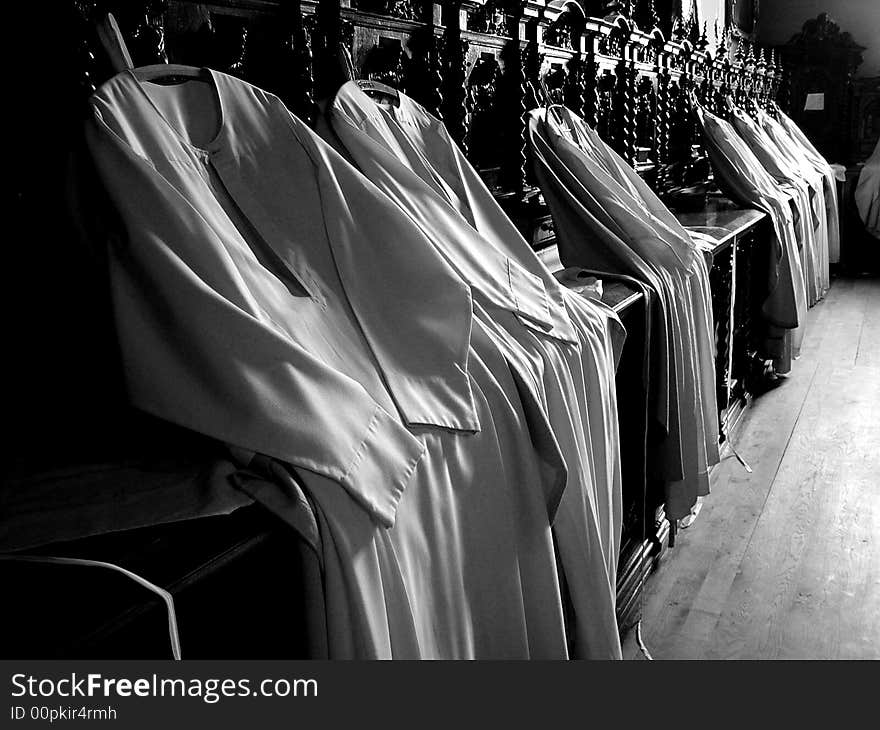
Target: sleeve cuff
[[383, 465]]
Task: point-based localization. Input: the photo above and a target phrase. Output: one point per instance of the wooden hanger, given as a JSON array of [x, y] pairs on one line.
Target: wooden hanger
[[170, 73], [369, 86]]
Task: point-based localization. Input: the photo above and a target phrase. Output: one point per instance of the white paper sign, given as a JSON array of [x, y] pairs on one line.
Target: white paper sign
[[815, 102]]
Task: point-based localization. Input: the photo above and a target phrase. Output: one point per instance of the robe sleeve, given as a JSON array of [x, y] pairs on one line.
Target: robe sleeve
[[414, 309], [199, 351]]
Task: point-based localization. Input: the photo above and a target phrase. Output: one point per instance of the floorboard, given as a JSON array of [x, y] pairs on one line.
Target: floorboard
[[785, 562], [868, 353]]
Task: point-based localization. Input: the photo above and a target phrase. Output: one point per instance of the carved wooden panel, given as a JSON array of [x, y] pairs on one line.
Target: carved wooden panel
[[646, 136], [266, 43], [476, 65]]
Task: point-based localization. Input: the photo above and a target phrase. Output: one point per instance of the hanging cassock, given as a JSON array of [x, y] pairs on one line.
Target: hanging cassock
[[820, 164], [559, 345], [607, 218], [806, 200], [740, 174]]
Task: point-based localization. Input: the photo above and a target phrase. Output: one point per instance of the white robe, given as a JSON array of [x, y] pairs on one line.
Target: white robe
[[744, 179], [569, 367], [607, 218], [800, 163], [268, 295], [820, 164], [810, 225]]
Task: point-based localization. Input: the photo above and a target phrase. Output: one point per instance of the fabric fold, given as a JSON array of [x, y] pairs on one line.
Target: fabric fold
[[803, 187], [740, 174], [559, 346], [821, 165], [607, 218]]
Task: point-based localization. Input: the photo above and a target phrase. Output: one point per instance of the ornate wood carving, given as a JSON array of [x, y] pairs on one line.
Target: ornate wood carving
[[624, 82], [432, 99], [721, 284], [577, 86], [455, 86], [483, 113], [678, 33], [666, 90], [591, 92], [489, 18], [387, 63], [624, 113], [613, 43], [563, 32], [646, 115], [605, 122], [646, 15], [522, 65], [302, 39], [148, 39], [557, 83], [403, 9], [426, 63]]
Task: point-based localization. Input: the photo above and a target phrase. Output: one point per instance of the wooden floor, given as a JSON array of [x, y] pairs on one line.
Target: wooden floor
[[784, 563]]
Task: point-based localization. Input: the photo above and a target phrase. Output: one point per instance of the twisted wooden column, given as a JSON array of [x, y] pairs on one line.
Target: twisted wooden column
[[646, 115], [605, 117], [423, 72], [591, 92], [664, 114], [576, 86], [625, 117], [521, 66], [454, 95], [434, 99], [309, 27], [665, 105], [296, 89]]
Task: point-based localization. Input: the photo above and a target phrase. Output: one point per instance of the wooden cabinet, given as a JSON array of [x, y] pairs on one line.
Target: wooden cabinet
[[822, 59]]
